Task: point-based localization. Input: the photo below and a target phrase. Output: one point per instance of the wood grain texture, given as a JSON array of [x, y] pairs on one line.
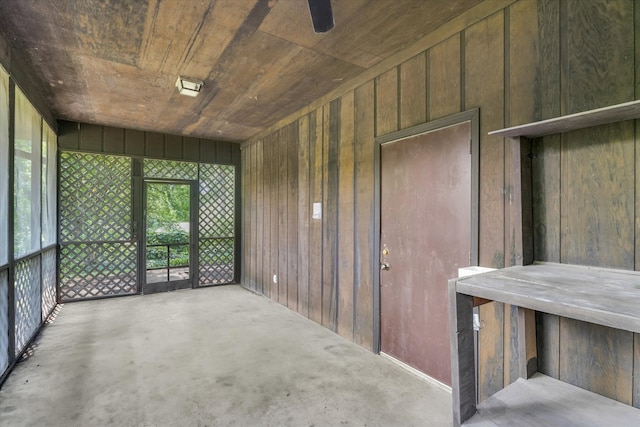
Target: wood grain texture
[[636, 370], [545, 401], [597, 61], [484, 87], [413, 91], [511, 344], [444, 78], [346, 217], [484, 80], [304, 215], [364, 263], [331, 143], [316, 170], [387, 102], [597, 185], [244, 276], [597, 358], [283, 191], [545, 184], [491, 350], [267, 146], [463, 364], [253, 212], [259, 208], [275, 212], [548, 342], [292, 216]]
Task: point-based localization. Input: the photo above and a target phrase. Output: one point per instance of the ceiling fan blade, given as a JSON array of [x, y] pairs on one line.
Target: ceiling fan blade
[[321, 15]]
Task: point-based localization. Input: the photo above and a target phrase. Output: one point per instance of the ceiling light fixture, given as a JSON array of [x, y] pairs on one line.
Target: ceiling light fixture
[[188, 86]]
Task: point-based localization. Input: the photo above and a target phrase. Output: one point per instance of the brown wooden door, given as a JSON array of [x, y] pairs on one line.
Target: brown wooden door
[[425, 225]]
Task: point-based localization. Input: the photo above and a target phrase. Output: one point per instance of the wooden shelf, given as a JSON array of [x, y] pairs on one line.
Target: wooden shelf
[[544, 401], [603, 296], [599, 116]]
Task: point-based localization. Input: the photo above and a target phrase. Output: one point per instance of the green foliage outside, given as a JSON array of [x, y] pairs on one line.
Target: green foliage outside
[[167, 216]]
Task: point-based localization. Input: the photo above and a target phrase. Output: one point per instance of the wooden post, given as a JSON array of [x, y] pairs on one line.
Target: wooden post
[[463, 368], [527, 351]]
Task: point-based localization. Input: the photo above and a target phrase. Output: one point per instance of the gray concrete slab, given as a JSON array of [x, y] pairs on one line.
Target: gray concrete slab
[[208, 357]]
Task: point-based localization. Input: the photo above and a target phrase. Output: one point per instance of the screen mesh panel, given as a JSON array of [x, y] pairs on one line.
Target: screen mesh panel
[[216, 224], [97, 254], [4, 321], [48, 282], [27, 302], [170, 169]]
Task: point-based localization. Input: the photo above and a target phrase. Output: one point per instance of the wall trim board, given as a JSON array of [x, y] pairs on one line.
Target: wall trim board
[[448, 29]]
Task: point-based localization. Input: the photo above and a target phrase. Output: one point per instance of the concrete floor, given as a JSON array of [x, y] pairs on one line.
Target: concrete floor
[[208, 357]]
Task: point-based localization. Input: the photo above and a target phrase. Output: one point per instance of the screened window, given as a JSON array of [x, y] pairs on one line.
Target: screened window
[[49, 147], [4, 166], [27, 172]]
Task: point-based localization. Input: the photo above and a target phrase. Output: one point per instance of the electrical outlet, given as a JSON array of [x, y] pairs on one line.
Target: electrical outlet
[[275, 278]]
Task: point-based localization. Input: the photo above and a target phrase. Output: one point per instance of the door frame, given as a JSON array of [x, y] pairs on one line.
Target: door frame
[[472, 116], [193, 239]]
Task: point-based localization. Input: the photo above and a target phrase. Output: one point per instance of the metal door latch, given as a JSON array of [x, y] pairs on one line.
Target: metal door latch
[[384, 266]]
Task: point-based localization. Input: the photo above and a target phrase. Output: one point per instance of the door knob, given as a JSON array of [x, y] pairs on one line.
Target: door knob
[[384, 266]]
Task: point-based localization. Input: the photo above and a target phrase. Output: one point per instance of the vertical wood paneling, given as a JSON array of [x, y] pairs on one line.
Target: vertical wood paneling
[[597, 358], [174, 149], [345, 217], [316, 139], [68, 135], [413, 91], [253, 253], [91, 137], [598, 55], [223, 152], [597, 214], [364, 210], [154, 144], [548, 343], [245, 218], [259, 253], [134, 142], [304, 215], [275, 211], [292, 216], [282, 215], [208, 151], [331, 143], [598, 70], [113, 140], [266, 215], [444, 78], [484, 87], [191, 149], [387, 102], [636, 370]]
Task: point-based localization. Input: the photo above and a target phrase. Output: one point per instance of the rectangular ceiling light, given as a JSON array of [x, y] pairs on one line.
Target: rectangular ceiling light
[[187, 86]]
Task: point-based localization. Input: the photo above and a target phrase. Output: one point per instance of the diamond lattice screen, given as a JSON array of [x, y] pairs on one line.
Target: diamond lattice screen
[[4, 321], [170, 169], [216, 224], [27, 300], [97, 253], [48, 282], [95, 198], [89, 270]]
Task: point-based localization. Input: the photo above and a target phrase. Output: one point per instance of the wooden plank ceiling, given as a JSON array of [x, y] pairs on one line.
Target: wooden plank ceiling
[[115, 62]]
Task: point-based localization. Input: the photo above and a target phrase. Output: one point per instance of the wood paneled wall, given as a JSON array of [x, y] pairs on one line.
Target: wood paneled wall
[[518, 62], [110, 140]]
